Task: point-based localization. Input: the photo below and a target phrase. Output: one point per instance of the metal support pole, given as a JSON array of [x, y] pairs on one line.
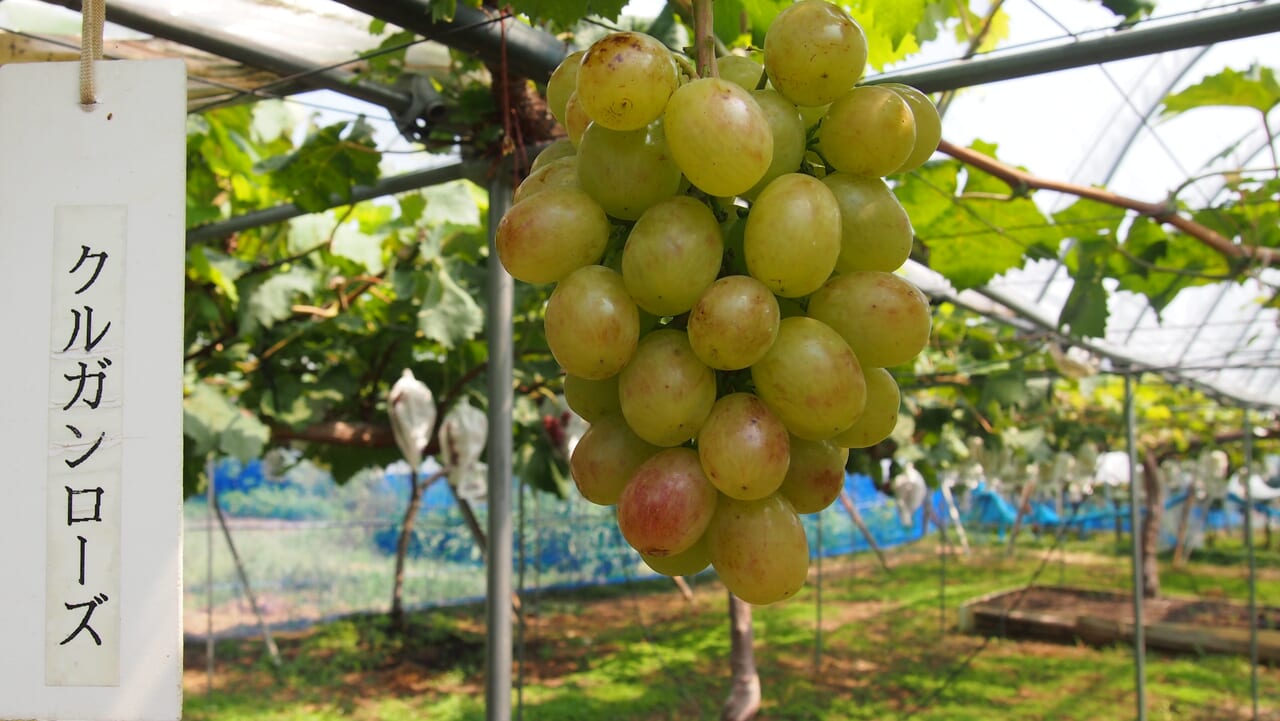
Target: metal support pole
[[1253, 563], [481, 32], [1139, 636], [1148, 38], [211, 497], [211, 40], [501, 292], [387, 186]]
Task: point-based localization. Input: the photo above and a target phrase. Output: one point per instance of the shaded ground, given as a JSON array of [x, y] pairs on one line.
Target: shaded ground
[[872, 645]]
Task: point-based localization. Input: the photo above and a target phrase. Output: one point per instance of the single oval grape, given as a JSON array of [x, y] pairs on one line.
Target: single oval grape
[[789, 139], [667, 504], [626, 171], [928, 126], [883, 317], [592, 325], [625, 79], [758, 548], [672, 254], [734, 322], [792, 237], [814, 52], [592, 398], [550, 234], [605, 457], [875, 232], [868, 131], [688, 562], [741, 71], [880, 416], [811, 379], [666, 393], [744, 447], [816, 475], [562, 173], [557, 149], [563, 81], [718, 136]]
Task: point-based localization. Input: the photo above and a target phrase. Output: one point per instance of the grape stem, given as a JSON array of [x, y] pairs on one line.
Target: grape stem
[[704, 38]]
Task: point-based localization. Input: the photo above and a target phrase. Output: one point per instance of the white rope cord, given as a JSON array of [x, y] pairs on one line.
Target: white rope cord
[[92, 13]]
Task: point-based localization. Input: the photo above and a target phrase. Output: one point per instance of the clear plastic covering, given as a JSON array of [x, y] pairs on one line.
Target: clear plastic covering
[[1092, 125]]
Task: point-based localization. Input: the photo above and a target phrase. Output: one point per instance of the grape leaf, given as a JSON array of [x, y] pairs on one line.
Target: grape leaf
[[1159, 264], [453, 202], [1253, 88], [894, 19], [1085, 313], [215, 424], [350, 243], [448, 315], [326, 166], [272, 300]]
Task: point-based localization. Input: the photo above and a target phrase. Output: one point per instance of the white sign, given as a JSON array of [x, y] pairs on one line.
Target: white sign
[[92, 207]]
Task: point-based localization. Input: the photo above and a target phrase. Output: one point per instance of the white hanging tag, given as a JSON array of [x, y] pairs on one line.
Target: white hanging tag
[[92, 205]]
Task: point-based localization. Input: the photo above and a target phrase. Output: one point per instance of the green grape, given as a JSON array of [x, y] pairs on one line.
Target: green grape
[[792, 236], [590, 398], [816, 475], [718, 136], [592, 325], [787, 128], [665, 391], [880, 416], [672, 254], [740, 70], [550, 234], [688, 562], [875, 232], [564, 80], [562, 173], [811, 379], [625, 80], [667, 504], [734, 322], [605, 457], [883, 317], [868, 131], [758, 548], [627, 171], [928, 125], [557, 149], [743, 447], [814, 52], [576, 119]]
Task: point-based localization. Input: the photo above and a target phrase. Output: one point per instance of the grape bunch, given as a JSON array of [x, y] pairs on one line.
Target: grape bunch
[[725, 305]]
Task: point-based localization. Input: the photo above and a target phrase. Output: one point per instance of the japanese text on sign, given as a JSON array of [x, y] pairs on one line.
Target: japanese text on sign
[[86, 414]]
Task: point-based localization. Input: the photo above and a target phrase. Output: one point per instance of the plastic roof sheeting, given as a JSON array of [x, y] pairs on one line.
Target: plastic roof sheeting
[[1096, 124]]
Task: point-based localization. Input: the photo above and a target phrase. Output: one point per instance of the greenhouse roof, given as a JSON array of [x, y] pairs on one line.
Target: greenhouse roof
[[1057, 111]]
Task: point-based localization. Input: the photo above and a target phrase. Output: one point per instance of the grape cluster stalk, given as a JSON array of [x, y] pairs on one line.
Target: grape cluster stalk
[[725, 306]]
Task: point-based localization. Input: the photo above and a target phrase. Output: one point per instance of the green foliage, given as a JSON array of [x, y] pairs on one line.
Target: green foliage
[[1255, 88], [327, 165]]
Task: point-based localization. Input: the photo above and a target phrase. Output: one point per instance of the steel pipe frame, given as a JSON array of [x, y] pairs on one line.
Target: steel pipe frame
[[228, 46], [528, 51], [387, 186], [1119, 45]]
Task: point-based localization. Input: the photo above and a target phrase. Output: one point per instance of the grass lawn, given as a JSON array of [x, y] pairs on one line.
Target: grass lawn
[[867, 645]]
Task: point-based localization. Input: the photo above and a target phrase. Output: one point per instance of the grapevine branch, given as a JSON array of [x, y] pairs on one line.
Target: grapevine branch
[[1163, 212]]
